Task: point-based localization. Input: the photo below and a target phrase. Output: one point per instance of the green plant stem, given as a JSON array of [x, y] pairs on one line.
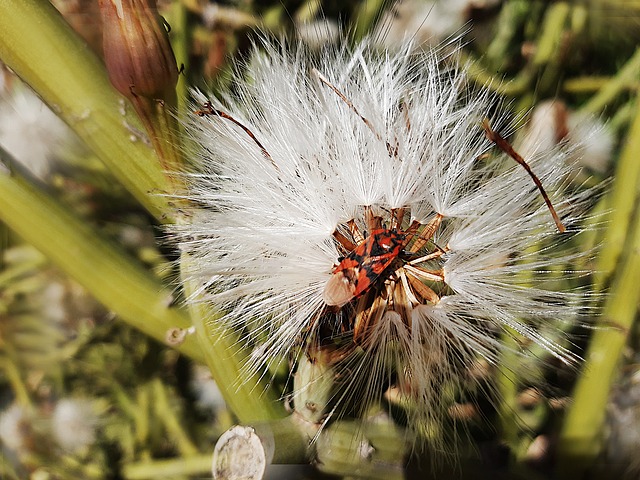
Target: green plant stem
[[39, 46], [141, 413], [249, 398], [168, 418], [512, 15], [580, 440], [621, 203], [199, 465], [368, 13], [588, 84], [508, 385], [626, 77], [551, 46], [14, 378], [480, 76], [179, 37], [36, 42], [111, 276], [551, 32]]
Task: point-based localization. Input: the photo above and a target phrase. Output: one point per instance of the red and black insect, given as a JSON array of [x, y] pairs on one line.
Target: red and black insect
[[359, 270], [371, 259]]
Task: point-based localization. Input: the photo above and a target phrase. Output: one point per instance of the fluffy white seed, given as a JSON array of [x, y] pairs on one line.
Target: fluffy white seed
[[339, 135]]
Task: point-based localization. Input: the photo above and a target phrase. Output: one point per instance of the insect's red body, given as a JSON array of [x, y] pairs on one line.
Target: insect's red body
[[359, 270]]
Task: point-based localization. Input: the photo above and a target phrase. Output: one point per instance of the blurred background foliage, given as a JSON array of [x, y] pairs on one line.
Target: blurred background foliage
[[84, 394]]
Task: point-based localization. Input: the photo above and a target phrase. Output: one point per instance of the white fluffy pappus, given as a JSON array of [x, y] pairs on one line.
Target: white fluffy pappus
[[313, 153]]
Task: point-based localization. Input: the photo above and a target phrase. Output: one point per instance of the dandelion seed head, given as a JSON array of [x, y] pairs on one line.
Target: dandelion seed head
[[345, 144]]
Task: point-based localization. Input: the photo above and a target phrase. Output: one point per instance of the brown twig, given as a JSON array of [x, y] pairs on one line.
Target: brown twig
[[506, 147]]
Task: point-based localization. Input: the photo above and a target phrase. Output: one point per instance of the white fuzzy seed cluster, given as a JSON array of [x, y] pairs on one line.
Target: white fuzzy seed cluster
[[319, 142]]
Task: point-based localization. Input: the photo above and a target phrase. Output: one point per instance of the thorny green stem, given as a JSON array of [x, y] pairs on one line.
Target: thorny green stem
[[580, 440]]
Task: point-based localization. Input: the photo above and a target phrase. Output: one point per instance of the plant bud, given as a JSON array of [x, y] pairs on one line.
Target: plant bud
[[137, 51]]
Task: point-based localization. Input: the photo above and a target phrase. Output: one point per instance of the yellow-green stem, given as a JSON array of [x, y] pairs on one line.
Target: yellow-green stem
[[368, 14], [627, 76], [512, 16], [39, 46], [141, 413], [199, 466], [170, 421], [179, 36], [111, 276], [14, 378], [581, 436], [621, 202]]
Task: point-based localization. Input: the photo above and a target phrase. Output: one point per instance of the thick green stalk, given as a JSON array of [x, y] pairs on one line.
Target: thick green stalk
[[621, 202], [580, 440], [39, 46], [108, 274]]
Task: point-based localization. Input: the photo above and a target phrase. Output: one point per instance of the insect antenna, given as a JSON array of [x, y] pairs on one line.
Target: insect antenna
[[208, 110], [506, 147]]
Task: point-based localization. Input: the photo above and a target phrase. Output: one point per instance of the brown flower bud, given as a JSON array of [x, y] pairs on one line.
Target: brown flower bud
[[137, 51]]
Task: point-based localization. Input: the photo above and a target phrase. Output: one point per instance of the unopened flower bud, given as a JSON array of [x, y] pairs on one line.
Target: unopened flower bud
[[137, 51]]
